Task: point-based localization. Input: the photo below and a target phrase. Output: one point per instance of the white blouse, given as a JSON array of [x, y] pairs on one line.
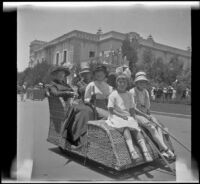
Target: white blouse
[[101, 89]]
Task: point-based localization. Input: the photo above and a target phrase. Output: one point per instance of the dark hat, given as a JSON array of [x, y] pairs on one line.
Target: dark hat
[[100, 68], [55, 69]]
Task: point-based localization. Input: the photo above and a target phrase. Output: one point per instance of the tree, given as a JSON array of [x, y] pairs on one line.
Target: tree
[[175, 68], [129, 49], [23, 76], [39, 73], [158, 70], [148, 59]]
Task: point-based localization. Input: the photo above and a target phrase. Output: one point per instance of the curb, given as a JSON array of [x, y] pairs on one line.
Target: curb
[[172, 114]]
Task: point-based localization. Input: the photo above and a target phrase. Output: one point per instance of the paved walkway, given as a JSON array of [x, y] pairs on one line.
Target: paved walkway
[[50, 164]]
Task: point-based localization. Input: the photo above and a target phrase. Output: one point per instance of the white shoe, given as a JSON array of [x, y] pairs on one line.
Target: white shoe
[[170, 153], [135, 155], [164, 154], [148, 157]]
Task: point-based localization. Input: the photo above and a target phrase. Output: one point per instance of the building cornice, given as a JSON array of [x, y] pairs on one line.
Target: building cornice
[[113, 35], [164, 48]]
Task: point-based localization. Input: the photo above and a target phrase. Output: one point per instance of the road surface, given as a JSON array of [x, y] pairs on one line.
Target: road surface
[[50, 164]]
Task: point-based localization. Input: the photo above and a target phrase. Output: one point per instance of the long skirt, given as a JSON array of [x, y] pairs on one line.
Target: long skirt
[[77, 120]]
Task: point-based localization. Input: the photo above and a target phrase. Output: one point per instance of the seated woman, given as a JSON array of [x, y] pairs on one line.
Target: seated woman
[[122, 116], [142, 100], [80, 114], [98, 90]]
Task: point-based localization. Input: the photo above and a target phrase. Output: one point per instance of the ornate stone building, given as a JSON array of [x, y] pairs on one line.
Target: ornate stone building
[[78, 46]]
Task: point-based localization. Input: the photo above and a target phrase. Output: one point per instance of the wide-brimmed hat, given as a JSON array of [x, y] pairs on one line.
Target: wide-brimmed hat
[[140, 76], [56, 69], [100, 68]]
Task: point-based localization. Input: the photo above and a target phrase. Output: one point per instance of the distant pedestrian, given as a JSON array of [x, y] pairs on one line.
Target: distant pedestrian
[[183, 96], [169, 93], [187, 92], [153, 93], [164, 94], [159, 93], [23, 92], [173, 94]]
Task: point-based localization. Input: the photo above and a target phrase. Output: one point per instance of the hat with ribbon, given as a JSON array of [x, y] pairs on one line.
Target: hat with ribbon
[[140, 76]]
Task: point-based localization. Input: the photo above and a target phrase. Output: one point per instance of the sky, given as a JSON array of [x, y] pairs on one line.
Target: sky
[[170, 26]]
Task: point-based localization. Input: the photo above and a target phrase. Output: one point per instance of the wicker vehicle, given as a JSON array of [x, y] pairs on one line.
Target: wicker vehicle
[[105, 145]]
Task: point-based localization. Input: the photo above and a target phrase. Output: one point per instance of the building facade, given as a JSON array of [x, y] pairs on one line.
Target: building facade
[[78, 46]]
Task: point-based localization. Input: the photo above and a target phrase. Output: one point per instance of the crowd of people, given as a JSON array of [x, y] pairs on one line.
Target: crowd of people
[[128, 107], [168, 93]]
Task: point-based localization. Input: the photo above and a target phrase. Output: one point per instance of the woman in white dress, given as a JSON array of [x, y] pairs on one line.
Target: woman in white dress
[[98, 90]]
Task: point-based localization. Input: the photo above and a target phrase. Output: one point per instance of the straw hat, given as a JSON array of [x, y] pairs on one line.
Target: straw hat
[[140, 76], [84, 69], [140, 73]]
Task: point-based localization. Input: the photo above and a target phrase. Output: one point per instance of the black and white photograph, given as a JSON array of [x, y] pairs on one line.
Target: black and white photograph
[[104, 92]]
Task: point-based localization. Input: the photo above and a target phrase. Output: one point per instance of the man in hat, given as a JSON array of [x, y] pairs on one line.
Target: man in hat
[[85, 75]]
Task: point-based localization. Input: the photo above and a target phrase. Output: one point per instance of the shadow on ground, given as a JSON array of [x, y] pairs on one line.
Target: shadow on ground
[[133, 173]]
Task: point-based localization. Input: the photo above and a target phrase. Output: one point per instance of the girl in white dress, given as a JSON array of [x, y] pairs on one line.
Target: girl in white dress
[[121, 116]]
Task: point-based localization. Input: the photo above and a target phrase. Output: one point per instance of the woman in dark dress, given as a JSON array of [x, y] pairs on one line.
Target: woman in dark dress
[[79, 115]]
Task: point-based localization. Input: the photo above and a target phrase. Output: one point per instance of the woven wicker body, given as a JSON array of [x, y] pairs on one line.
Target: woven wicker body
[[38, 94], [104, 144]]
